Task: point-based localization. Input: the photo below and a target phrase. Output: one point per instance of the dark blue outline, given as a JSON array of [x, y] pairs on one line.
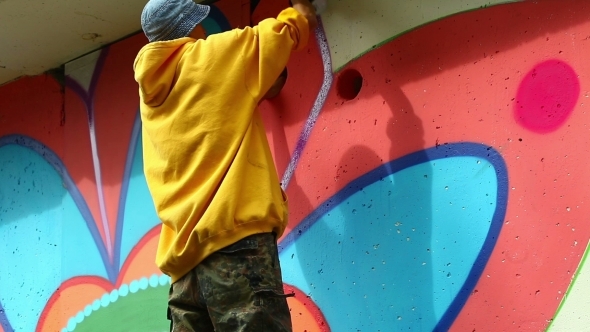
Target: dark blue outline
[[88, 96], [463, 149], [4, 323]]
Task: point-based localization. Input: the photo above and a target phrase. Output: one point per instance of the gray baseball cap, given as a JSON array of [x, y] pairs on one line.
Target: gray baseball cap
[[171, 19]]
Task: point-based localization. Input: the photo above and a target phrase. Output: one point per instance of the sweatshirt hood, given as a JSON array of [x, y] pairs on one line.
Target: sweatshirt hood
[[155, 69]]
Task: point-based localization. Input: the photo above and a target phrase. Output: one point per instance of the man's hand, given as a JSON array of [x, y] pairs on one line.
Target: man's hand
[[305, 8]]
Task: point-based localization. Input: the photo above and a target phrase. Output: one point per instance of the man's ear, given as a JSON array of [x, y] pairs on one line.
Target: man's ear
[[198, 32]]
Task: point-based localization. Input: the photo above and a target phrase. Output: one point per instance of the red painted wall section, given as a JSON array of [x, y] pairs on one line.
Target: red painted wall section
[[436, 182], [34, 107]]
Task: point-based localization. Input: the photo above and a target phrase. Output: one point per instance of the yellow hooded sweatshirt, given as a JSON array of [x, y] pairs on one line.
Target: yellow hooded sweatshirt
[[206, 157]]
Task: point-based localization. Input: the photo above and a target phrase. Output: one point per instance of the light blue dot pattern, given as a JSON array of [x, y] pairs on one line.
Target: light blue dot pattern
[[79, 317], [164, 280], [96, 305], [71, 324], [123, 290], [114, 296], [143, 283], [134, 286], [108, 298], [154, 280], [105, 300]]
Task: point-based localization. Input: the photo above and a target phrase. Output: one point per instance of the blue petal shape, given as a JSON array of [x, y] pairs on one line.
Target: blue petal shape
[[45, 234], [137, 214], [80, 255], [402, 247]]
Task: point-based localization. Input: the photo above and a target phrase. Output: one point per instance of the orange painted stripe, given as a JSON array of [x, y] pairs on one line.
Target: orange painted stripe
[[305, 314], [141, 261], [72, 296]]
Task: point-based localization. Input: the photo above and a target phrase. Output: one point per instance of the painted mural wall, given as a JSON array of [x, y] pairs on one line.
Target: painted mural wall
[[433, 154]]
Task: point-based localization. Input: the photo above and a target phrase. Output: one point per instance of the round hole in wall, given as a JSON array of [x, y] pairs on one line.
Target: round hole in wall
[[349, 84]]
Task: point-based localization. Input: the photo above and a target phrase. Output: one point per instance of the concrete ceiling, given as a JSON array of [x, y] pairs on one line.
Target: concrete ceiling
[[38, 35]]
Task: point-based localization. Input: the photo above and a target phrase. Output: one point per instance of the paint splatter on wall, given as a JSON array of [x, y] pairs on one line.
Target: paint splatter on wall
[[436, 180]]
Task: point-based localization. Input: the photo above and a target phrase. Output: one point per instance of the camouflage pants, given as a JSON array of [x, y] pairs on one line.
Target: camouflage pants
[[238, 288]]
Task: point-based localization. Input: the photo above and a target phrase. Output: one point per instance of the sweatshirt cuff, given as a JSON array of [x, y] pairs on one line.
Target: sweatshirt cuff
[[297, 25]]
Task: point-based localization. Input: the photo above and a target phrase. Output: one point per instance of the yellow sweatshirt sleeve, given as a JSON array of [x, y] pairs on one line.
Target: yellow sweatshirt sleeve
[[274, 42]]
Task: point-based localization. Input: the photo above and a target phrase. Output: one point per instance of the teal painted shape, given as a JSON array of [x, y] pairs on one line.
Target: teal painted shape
[[140, 214], [210, 26], [393, 255], [80, 254], [43, 238]]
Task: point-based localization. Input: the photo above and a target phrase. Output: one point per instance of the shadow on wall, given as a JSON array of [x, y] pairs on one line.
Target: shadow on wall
[[366, 251]]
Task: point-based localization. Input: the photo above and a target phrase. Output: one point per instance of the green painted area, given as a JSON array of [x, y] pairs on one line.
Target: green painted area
[[144, 311], [573, 309]]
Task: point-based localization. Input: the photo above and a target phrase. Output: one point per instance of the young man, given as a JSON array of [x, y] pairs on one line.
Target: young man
[[208, 164]]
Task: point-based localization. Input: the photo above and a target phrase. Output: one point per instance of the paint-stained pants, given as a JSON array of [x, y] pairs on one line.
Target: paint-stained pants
[[238, 288]]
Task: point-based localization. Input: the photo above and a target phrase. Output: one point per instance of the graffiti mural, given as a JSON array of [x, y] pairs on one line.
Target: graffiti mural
[[435, 172]]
